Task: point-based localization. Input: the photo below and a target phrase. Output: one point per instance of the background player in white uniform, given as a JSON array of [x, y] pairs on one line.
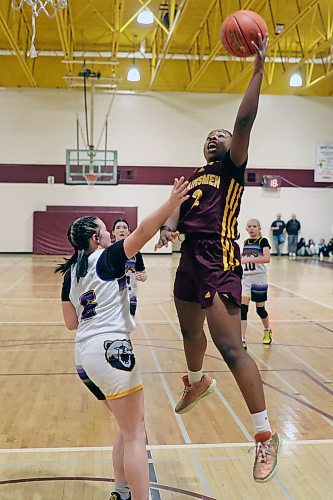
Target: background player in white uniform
[[256, 253], [134, 267], [95, 302]]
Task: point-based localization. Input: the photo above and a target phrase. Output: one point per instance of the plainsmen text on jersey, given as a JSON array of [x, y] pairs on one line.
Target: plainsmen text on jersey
[[215, 193]]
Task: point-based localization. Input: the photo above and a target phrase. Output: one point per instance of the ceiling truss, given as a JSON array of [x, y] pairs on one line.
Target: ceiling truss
[[184, 54]]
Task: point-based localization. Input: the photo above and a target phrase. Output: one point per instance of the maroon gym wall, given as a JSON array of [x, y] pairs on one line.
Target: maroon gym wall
[[50, 227], [152, 175]]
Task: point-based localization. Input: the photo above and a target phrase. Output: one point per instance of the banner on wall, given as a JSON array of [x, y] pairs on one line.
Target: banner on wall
[[324, 163]]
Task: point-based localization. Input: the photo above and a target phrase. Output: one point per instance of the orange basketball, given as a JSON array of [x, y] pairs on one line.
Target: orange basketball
[[239, 30]]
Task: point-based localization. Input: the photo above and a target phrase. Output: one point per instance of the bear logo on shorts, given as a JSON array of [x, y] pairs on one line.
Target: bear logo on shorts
[[119, 353]]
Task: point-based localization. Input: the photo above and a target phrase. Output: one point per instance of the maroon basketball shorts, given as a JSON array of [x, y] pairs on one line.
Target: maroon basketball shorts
[[201, 273]]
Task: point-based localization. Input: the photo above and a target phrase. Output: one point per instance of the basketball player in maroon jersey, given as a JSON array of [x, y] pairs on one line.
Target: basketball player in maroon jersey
[[208, 279]]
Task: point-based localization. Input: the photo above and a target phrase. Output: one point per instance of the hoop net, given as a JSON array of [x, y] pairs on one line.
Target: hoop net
[[49, 7], [90, 179]]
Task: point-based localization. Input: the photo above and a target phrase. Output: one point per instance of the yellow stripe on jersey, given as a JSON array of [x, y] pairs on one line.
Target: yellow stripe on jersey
[[228, 224], [226, 208], [231, 258], [225, 248], [232, 218]]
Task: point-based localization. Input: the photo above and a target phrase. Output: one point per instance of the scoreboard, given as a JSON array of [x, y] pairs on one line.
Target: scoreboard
[[271, 181]]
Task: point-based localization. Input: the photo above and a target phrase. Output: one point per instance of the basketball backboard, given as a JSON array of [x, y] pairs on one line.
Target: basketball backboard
[[81, 163]]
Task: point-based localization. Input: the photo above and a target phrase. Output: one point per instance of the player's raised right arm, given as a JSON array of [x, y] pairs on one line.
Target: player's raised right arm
[[248, 107]]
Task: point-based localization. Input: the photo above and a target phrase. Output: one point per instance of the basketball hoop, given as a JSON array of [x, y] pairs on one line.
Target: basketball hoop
[[49, 7], [90, 179]]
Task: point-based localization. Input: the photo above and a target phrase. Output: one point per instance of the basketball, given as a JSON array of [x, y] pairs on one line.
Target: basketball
[[239, 30]]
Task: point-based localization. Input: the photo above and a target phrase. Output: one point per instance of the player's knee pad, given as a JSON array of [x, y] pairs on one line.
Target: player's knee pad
[[262, 313], [244, 311]]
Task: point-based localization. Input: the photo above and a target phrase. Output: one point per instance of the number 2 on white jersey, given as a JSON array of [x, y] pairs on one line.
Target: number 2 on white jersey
[[88, 301]]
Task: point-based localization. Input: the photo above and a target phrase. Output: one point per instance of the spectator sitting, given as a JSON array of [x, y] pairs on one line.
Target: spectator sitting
[[326, 250], [312, 247], [322, 250], [330, 249], [320, 246], [302, 248]]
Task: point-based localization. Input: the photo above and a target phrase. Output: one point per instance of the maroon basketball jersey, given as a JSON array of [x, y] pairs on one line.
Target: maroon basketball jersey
[[214, 203]]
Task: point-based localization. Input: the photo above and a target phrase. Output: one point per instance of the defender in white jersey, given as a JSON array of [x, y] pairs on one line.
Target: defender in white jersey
[[255, 256], [95, 302], [134, 267]]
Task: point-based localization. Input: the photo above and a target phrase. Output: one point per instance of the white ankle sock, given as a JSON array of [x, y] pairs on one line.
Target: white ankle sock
[[123, 490], [194, 377], [260, 422]]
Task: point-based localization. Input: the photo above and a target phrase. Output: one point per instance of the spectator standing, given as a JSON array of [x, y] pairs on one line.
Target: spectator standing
[[278, 228], [293, 227]]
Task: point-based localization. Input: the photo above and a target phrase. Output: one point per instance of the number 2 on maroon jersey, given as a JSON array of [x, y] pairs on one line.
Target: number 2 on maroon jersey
[[197, 195]]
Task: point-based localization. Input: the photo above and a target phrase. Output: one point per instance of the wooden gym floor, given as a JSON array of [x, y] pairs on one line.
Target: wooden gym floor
[[55, 438]]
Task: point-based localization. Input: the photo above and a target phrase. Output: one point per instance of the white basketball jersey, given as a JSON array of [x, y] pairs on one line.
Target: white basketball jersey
[[254, 248], [102, 306]]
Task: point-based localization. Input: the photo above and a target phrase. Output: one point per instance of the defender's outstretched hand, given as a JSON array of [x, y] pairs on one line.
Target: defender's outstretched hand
[[179, 192], [177, 197]]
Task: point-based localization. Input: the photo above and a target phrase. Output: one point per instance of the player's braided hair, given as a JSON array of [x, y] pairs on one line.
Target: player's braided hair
[[78, 235]]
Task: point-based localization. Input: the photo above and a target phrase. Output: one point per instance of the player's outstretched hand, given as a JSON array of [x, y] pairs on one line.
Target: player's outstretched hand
[[179, 192], [141, 276], [166, 236], [261, 50]]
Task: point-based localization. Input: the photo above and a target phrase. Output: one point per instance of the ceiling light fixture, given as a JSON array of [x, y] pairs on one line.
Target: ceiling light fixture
[[296, 79], [279, 28], [145, 17], [133, 74]]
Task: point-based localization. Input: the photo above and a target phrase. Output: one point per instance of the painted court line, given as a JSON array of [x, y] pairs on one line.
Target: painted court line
[[33, 323], [186, 437], [234, 415], [13, 285], [194, 446], [301, 295], [301, 321], [300, 360], [166, 322], [219, 394], [300, 399], [269, 367]]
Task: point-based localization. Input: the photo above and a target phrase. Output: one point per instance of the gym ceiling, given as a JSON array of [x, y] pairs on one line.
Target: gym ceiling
[[180, 52]]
